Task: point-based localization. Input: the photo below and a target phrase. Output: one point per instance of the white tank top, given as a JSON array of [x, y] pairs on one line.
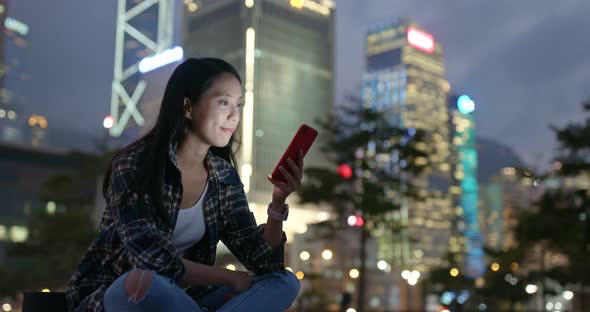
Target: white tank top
[[190, 226]]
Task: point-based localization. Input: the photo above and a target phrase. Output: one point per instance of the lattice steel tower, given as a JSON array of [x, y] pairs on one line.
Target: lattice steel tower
[[144, 27]]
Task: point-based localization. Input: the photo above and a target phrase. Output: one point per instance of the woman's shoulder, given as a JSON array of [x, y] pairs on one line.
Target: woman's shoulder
[[225, 171], [125, 166], [128, 158]]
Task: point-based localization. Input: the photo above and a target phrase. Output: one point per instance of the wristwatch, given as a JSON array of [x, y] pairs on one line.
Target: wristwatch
[[278, 216]]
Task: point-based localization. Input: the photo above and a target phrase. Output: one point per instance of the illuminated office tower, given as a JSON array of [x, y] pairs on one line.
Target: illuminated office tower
[[405, 79], [3, 14], [283, 52], [466, 241], [491, 217], [504, 197], [13, 75]]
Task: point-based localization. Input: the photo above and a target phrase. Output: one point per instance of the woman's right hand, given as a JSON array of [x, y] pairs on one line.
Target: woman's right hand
[[239, 281]]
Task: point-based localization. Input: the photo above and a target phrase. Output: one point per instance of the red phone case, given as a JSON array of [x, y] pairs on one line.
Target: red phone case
[[302, 140]]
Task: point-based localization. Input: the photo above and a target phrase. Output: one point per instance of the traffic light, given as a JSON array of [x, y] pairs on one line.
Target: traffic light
[[344, 171], [355, 221]]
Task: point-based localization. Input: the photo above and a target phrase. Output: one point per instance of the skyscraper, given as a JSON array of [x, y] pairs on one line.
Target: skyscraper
[[13, 76], [2, 21], [405, 79], [466, 241], [504, 197], [283, 51]]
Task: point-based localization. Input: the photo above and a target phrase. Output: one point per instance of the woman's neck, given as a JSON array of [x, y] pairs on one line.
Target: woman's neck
[[191, 154]]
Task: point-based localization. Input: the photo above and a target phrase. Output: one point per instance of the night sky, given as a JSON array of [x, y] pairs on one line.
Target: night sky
[[525, 63]]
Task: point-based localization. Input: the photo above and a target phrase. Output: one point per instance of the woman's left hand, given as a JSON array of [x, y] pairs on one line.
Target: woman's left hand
[[293, 176]]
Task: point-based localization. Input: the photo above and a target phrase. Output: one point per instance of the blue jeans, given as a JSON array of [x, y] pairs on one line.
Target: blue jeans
[[269, 292]]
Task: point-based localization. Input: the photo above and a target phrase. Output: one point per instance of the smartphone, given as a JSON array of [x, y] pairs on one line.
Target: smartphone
[[302, 140]]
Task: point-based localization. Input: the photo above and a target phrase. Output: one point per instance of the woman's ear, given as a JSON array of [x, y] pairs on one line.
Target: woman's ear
[[188, 108]]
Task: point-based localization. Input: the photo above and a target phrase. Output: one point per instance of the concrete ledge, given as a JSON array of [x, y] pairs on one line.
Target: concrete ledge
[[44, 301]]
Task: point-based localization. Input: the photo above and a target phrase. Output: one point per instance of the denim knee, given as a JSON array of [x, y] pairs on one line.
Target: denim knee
[[292, 284], [158, 287]]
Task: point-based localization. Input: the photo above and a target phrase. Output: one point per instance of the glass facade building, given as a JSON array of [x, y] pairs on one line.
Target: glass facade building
[[13, 76], [466, 241], [405, 79], [283, 51]]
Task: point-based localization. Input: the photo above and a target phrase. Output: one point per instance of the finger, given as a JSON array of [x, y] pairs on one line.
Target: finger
[[278, 184], [296, 182], [290, 179], [301, 162], [294, 169]]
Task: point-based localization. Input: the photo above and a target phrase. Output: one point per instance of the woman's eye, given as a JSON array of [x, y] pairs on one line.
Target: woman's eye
[[223, 102], [241, 105]]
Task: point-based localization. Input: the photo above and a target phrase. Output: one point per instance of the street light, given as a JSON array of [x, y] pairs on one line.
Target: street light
[[354, 273], [300, 275], [304, 255], [411, 276], [454, 272], [568, 295], [327, 254], [108, 122], [382, 265], [406, 274], [531, 289], [549, 306], [558, 306], [495, 267]]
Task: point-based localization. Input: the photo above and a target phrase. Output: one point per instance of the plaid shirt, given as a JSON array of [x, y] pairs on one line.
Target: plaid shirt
[[127, 240]]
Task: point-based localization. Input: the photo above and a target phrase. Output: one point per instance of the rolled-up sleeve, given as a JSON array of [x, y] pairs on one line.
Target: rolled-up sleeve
[[147, 247], [244, 238]]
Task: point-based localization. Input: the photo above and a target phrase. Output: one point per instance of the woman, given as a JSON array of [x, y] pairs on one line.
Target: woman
[[171, 196]]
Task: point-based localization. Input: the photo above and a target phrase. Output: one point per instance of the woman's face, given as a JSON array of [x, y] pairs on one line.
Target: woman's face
[[216, 115]]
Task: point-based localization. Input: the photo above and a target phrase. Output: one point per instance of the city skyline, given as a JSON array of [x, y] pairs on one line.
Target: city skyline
[[494, 68]]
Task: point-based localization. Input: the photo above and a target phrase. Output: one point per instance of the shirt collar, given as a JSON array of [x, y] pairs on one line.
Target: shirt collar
[[219, 169]]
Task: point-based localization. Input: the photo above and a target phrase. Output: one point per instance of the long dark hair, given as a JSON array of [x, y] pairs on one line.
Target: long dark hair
[[191, 80]]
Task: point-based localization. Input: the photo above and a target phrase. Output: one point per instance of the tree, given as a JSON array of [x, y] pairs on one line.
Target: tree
[[560, 220], [449, 278], [504, 286], [53, 250], [57, 240], [377, 158]]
